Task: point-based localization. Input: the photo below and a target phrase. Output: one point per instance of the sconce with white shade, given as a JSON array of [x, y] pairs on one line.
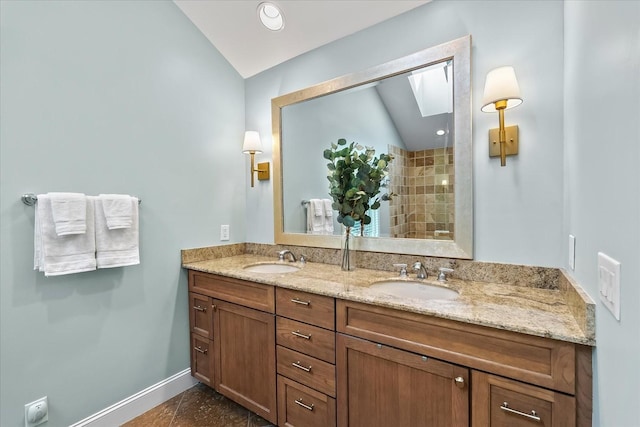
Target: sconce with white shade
[[501, 92], [252, 146]]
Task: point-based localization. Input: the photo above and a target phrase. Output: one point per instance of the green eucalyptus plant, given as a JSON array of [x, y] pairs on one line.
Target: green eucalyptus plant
[[355, 177]]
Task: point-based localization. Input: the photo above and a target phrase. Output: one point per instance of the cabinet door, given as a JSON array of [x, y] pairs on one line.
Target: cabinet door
[[200, 315], [501, 402], [383, 386], [202, 360], [245, 368]]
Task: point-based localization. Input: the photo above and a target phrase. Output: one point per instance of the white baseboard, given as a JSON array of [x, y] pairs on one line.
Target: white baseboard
[[140, 402]]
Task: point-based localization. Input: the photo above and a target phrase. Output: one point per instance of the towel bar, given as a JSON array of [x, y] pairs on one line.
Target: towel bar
[[30, 199]]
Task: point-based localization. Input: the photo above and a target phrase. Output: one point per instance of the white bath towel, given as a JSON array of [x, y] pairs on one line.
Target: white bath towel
[[315, 217], [117, 210], [57, 255], [118, 247], [69, 212], [328, 216]]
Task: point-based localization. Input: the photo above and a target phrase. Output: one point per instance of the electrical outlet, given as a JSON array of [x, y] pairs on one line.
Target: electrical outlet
[[36, 412], [609, 283], [224, 232]]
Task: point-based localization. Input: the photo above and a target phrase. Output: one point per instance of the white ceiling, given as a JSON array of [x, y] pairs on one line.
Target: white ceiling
[[233, 27]]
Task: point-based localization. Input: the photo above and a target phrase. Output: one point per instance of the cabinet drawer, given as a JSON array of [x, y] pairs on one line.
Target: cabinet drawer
[[200, 315], [311, 340], [540, 361], [309, 308], [501, 402], [300, 406], [249, 294], [307, 370], [202, 360]]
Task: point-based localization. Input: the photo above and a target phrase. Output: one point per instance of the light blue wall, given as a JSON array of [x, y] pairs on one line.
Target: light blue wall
[[602, 154], [123, 97], [358, 116], [519, 208]]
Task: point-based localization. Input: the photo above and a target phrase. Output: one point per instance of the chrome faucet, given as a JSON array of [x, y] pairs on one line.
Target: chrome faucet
[[281, 254], [419, 267]]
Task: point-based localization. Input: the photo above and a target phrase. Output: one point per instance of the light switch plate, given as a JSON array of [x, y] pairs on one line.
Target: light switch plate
[[609, 283], [224, 232]]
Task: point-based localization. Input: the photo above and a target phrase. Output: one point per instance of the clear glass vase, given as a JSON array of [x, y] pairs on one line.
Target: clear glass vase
[[348, 250]]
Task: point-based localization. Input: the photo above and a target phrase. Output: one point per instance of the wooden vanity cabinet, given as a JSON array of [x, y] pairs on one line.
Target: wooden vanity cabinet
[[305, 334], [530, 373], [238, 327], [304, 360]]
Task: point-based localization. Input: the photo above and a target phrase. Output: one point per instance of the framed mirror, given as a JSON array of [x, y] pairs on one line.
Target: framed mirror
[[416, 108]]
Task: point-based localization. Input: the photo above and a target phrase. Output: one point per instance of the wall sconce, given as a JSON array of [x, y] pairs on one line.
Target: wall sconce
[[501, 92], [251, 146]]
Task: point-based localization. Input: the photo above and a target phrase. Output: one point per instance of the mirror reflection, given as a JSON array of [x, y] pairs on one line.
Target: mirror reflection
[[409, 116]]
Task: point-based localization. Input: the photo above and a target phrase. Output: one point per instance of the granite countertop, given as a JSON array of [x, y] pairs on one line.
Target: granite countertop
[[532, 311]]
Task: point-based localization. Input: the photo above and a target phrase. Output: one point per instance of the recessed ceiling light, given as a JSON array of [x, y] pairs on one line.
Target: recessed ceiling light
[[440, 132], [271, 16]]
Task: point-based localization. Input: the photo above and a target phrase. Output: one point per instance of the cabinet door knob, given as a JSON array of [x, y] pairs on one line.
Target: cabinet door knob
[[459, 381], [532, 415]]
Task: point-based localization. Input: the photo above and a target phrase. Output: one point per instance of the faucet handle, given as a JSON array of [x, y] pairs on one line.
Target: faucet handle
[[442, 276], [280, 255], [303, 258], [403, 269]]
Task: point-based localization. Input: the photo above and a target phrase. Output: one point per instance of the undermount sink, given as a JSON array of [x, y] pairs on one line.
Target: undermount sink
[[412, 289], [278, 267]]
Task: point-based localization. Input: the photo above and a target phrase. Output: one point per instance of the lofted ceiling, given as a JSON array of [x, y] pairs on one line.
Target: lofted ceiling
[[233, 27]]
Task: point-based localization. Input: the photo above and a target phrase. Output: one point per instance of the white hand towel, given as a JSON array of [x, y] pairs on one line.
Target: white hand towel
[[117, 210], [328, 216], [118, 247], [69, 212], [315, 221], [57, 255]]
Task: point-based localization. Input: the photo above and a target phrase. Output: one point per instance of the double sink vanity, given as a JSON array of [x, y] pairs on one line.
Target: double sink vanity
[[310, 345], [307, 344]]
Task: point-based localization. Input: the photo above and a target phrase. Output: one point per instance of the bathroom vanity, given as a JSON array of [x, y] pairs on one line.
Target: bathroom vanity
[[319, 347]]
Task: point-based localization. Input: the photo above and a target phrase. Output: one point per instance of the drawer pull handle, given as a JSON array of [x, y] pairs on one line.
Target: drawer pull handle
[[298, 334], [299, 366], [197, 307], [532, 416], [299, 301], [200, 350], [305, 406]]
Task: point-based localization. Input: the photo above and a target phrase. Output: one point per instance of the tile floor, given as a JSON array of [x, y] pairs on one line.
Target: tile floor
[[200, 406]]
